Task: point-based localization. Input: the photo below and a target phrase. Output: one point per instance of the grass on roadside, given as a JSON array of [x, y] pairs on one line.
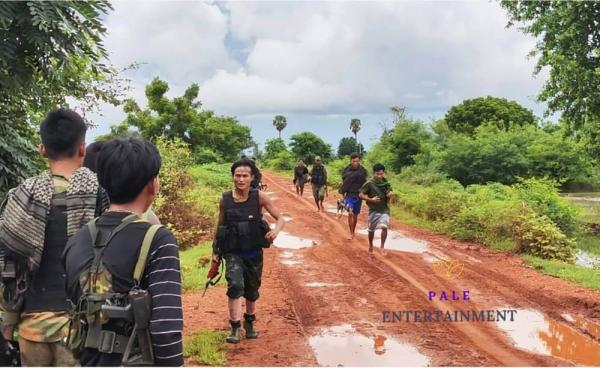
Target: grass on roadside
[[206, 347], [584, 276], [195, 263]]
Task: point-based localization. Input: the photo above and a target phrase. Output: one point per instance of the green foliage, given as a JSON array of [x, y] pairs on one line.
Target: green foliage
[[398, 147], [273, 147], [49, 51], [206, 348], [182, 118], [195, 263], [584, 276], [347, 146], [279, 122], [307, 145], [500, 112], [334, 172], [539, 236], [568, 43], [283, 160]]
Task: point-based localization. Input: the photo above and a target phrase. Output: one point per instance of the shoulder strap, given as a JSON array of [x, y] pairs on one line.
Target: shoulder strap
[[144, 250]]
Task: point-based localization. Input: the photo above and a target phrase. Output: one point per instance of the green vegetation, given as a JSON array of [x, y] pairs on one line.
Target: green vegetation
[[279, 122], [577, 274], [205, 348], [195, 263], [307, 145]]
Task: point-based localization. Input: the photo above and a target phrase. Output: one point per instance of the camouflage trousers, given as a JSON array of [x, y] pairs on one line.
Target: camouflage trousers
[[44, 354], [243, 275]]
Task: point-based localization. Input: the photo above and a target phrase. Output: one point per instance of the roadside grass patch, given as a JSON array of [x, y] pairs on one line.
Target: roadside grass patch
[[195, 263], [206, 347], [584, 276]]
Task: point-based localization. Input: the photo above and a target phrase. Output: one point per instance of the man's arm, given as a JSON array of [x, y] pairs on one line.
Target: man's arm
[[164, 284], [219, 222], [267, 203]]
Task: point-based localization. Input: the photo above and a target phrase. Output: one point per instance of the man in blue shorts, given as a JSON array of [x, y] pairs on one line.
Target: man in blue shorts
[[353, 178]]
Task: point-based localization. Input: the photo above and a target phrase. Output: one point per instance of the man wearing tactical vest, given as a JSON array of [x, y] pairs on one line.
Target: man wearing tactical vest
[[318, 180], [38, 217], [241, 235], [123, 275]]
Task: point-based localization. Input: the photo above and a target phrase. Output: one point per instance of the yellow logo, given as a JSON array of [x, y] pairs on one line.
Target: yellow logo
[[449, 268]]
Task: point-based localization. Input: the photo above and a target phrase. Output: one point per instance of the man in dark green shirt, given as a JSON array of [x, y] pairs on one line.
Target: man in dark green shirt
[[377, 192]]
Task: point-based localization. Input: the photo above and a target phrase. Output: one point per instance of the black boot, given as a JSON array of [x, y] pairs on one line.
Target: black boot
[[249, 326], [234, 336]]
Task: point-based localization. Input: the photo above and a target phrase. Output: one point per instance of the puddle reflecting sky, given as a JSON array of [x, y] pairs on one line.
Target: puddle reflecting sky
[[585, 259], [343, 345], [397, 241], [288, 241]]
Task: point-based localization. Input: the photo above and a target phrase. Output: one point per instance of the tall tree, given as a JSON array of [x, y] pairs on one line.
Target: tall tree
[[279, 122], [355, 128], [568, 44], [307, 145], [347, 146], [49, 51], [183, 118]]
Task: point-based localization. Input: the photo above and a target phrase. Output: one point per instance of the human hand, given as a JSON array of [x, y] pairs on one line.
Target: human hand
[[271, 235], [7, 332], [376, 199]]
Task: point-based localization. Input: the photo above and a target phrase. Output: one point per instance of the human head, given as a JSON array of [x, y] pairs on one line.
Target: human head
[[355, 160], [317, 160], [243, 172], [378, 171], [128, 170], [91, 156], [62, 133], [301, 162]]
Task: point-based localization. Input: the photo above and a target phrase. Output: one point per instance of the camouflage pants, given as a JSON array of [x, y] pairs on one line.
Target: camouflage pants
[[243, 275], [42, 354]]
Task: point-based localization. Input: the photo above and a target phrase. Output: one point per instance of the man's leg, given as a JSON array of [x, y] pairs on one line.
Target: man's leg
[[252, 275], [350, 220], [35, 354], [384, 232], [62, 356], [234, 274], [371, 236]]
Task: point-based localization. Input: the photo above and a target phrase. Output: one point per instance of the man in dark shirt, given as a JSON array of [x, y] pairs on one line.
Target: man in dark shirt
[[128, 170], [353, 178]]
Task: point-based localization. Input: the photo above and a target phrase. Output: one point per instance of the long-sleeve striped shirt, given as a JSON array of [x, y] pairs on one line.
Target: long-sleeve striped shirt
[[162, 279]]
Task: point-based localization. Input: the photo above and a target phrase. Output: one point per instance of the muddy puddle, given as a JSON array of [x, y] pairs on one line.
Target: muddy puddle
[[587, 260], [288, 241], [534, 332], [397, 241], [322, 284], [344, 346]]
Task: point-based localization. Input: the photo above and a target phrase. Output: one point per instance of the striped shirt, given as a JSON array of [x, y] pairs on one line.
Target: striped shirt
[[162, 279]]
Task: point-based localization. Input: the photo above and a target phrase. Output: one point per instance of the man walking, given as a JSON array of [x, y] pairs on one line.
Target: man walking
[[377, 192], [241, 235], [38, 218], [318, 180], [353, 178]]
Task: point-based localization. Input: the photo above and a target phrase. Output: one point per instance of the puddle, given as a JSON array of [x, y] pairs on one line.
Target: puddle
[[290, 262], [286, 254], [590, 327], [344, 346], [285, 240], [538, 334], [585, 259], [269, 193], [321, 284], [397, 241]]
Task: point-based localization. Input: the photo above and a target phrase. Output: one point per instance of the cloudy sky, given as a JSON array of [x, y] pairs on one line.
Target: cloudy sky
[[322, 63]]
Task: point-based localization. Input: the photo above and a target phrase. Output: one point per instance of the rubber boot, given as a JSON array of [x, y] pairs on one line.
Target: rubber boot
[[249, 326], [234, 336]]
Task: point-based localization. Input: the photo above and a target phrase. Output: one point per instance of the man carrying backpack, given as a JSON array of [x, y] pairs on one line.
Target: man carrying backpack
[[241, 235], [38, 217], [318, 179], [123, 273]]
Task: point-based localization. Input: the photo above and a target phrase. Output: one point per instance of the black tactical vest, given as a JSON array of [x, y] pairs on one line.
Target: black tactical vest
[[47, 291], [244, 229]]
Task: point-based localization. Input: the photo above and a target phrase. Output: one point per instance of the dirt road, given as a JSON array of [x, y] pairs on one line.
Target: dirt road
[[324, 300]]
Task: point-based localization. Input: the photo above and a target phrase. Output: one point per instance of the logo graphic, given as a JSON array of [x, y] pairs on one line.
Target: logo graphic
[[449, 268]]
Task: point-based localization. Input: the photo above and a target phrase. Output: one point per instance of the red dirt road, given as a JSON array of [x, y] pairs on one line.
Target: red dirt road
[[336, 282]]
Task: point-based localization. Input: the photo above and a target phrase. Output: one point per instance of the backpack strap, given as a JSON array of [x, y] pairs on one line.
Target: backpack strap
[[144, 250]]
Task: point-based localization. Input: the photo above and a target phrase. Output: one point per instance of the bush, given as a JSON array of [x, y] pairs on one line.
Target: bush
[[204, 155], [283, 161], [441, 202], [539, 236]]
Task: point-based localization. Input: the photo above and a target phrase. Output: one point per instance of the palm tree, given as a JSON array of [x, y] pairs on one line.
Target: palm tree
[[355, 127], [279, 122]]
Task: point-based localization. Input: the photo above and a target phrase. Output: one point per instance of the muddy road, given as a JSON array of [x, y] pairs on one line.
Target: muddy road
[[326, 301]]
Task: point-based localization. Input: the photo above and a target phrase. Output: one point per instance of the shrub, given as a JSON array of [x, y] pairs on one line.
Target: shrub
[[539, 236]]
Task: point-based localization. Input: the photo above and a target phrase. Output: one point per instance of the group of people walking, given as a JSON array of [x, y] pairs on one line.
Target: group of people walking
[[89, 276]]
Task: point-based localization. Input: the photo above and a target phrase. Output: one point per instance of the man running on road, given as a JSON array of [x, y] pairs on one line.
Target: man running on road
[[353, 178], [377, 192], [318, 180]]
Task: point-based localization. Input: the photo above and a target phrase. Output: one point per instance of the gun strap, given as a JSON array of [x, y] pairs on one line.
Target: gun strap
[[144, 250]]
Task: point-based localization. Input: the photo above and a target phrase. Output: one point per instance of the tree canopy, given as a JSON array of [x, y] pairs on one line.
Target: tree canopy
[[307, 145]]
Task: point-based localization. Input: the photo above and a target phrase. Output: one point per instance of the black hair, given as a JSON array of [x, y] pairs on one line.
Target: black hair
[[126, 166], [354, 155], [62, 131], [245, 162], [378, 167], [92, 152]]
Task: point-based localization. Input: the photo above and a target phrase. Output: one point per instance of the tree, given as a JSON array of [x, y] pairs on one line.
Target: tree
[[470, 114], [49, 51], [307, 145], [348, 146], [355, 128], [279, 122], [181, 117], [398, 147], [273, 147], [568, 44]]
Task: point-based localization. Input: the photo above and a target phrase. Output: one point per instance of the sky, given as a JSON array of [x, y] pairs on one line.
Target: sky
[[322, 63]]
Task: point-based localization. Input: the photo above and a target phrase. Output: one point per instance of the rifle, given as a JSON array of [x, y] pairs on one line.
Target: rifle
[[213, 276]]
